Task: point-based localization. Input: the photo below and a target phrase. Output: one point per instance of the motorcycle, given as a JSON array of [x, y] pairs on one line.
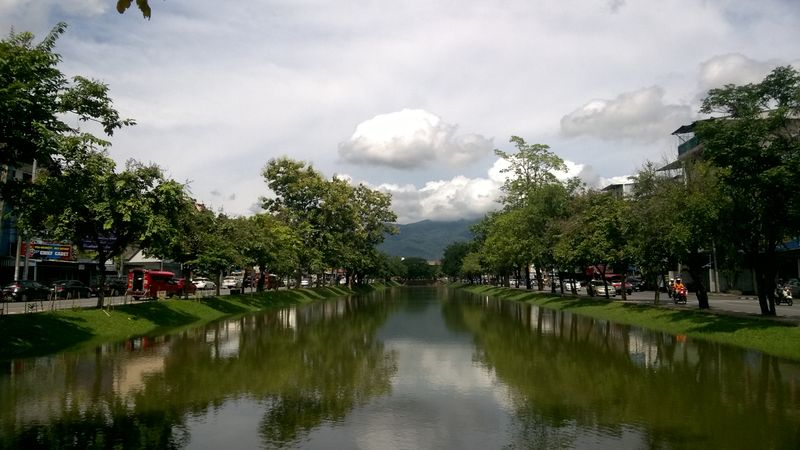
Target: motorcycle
[[679, 295], [783, 295]]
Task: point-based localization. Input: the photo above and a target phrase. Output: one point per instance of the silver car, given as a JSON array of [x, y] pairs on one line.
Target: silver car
[[231, 282], [600, 289], [203, 283]]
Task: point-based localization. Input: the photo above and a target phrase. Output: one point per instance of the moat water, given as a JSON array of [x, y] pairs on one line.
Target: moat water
[[413, 368]]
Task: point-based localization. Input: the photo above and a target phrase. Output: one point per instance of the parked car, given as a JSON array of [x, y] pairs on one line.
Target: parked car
[[203, 283], [24, 290], [232, 282], [113, 286], [568, 284], [636, 283], [616, 282], [599, 289], [305, 282], [70, 289]]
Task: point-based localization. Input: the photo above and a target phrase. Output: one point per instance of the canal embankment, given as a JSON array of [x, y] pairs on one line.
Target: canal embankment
[[773, 336], [29, 335]]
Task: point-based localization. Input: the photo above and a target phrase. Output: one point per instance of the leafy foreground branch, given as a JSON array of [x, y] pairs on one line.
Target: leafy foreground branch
[[28, 335], [768, 335]]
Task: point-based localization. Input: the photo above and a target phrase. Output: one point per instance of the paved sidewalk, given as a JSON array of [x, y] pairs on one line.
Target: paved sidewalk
[[722, 303]]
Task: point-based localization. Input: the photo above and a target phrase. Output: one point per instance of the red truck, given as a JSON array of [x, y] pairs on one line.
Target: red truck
[[148, 283]]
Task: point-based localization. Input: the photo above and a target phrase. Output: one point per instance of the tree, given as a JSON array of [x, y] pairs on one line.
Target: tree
[[651, 240], [339, 224], [453, 258], [531, 167], [535, 198], [756, 148], [185, 238], [91, 205], [35, 101], [419, 269], [217, 252], [143, 5], [267, 242], [596, 233], [299, 191], [471, 266], [677, 218], [506, 247]]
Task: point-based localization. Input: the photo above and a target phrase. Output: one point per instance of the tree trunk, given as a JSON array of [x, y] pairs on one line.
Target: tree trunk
[[186, 272], [101, 265], [696, 261], [765, 271], [623, 285], [539, 280], [528, 285], [262, 273]]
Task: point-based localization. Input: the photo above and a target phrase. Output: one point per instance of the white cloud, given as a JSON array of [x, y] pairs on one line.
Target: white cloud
[[733, 68], [409, 139], [640, 115], [470, 198], [216, 92]]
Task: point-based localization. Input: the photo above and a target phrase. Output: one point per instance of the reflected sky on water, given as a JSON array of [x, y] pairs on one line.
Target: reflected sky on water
[[404, 368]]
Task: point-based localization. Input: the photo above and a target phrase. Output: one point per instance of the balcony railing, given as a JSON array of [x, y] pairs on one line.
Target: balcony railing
[[688, 145]]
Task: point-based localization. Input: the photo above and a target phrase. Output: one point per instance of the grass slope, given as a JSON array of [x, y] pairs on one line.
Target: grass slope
[[768, 335], [27, 335]]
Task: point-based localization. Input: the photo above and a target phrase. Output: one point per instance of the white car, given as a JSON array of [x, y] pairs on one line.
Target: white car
[[569, 283], [600, 290], [231, 282], [203, 283]]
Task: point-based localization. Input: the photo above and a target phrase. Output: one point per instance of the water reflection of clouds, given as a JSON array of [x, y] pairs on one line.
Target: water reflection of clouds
[[440, 396]]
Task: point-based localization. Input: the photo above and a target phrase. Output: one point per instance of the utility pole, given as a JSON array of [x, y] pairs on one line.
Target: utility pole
[[27, 242]]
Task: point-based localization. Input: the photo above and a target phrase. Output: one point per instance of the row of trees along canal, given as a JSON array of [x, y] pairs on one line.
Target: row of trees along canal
[[78, 195], [740, 198]]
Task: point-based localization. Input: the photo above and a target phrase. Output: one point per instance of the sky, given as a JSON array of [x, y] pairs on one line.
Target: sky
[[408, 97]]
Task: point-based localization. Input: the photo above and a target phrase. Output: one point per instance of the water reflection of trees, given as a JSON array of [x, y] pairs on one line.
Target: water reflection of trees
[[305, 366], [571, 374]]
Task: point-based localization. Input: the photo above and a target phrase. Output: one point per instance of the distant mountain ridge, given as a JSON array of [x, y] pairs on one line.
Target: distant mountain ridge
[[426, 239]]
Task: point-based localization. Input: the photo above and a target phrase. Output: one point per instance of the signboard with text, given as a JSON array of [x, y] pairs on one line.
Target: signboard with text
[[47, 250]]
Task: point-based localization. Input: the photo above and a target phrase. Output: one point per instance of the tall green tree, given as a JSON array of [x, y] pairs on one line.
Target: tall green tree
[[471, 267], [453, 257], [36, 102], [298, 196], [596, 233], [218, 251], [91, 205], [535, 200], [652, 241], [373, 220], [755, 145], [268, 243], [531, 167]]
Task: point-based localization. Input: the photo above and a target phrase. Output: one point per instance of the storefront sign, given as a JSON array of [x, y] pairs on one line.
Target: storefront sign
[[47, 250]]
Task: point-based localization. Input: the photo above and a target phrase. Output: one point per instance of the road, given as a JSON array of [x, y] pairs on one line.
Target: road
[[723, 303], [48, 305]]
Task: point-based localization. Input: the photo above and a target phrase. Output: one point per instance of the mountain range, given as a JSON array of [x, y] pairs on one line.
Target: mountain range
[[426, 239]]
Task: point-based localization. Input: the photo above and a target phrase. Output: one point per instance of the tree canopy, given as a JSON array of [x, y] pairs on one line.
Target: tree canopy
[[36, 98]]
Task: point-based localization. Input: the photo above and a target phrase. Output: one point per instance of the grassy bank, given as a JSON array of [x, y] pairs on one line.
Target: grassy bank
[[26, 335], [767, 335]]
